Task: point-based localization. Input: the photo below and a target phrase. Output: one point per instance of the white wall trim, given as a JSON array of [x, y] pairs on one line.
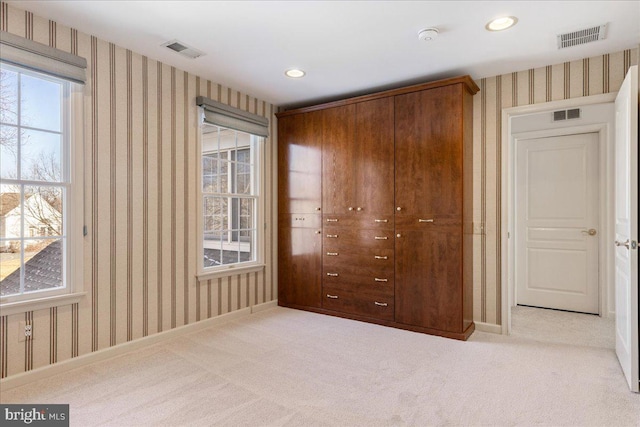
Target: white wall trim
[[120, 349], [488, 327], [507, 261], [8, 309], [264, 306]]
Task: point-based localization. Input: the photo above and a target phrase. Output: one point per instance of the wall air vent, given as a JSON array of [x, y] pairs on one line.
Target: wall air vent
[[183, 49], [574, 113], [579, 37], [559, 115]]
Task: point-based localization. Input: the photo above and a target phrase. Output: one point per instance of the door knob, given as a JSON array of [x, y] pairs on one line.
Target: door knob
[[398, 208], [590, 232]]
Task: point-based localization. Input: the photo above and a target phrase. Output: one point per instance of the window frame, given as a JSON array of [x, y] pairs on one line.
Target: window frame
[[72, 123], [206, 273]]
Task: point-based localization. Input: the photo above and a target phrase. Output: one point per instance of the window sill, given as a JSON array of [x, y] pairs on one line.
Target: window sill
[[229, 271], [9, 308]]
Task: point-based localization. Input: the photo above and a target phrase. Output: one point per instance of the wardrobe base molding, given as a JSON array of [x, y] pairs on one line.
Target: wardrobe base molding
[[463, 336]]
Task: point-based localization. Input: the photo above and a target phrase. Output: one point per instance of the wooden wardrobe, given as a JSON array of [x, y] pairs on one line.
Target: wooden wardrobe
[[375, 208]]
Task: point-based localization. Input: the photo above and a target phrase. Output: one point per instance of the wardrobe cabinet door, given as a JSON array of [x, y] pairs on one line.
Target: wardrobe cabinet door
[[428, 152], [300, 260], [428, 280], [374, 157], [300, 163], [338, 159]]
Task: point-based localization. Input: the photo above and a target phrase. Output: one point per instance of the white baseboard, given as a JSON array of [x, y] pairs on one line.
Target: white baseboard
[[488, 327], [264, 306], [117, 350]]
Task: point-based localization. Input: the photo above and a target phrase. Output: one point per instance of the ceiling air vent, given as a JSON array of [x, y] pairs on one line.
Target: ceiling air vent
[[559, 115], [183, 49], [579, 37]]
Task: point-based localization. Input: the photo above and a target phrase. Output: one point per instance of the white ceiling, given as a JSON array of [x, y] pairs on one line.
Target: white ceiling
[[346, 47]]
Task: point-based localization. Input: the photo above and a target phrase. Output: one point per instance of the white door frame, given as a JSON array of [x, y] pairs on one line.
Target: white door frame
[[605, 131]]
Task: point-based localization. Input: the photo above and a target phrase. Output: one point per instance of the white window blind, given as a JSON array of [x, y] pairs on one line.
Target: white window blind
[[38, 57], [225, 116]]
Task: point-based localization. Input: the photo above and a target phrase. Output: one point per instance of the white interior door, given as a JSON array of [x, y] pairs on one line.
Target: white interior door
[[626, 228], [557, 217]]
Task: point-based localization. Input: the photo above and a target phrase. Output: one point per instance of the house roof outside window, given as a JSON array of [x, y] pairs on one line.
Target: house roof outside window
[[8, 202]]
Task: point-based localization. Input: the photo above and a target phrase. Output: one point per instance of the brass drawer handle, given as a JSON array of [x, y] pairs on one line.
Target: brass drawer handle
[[381, 304], [380, 220], [318, 232], [425, 220], [332, 220], [381, 238], [359, 209], [381, 257], [332, 296], [381, 280], [332, 274], [332, 253], [332, 236]]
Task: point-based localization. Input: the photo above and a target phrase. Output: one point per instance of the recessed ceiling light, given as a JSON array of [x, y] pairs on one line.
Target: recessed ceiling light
[[294, 73], [502, 23]]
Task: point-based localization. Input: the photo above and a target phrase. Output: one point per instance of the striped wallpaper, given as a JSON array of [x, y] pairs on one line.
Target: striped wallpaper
[[589, 76], [140, 203], [140, 256]]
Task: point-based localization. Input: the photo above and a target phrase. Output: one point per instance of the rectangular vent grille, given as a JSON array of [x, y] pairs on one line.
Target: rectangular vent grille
[[183, 49], [177, 47], [559, 115], [573, 113], [579, 37]]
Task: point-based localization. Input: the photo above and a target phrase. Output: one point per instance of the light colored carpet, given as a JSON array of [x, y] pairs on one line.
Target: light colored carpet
[[563, 327], [285, 367]]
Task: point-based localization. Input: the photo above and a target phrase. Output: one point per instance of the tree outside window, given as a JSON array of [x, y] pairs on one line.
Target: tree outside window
[[33, 180]]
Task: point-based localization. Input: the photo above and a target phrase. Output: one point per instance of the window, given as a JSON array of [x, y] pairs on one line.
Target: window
[[34, 181], [40, 175], [231, 224], [230, 171]]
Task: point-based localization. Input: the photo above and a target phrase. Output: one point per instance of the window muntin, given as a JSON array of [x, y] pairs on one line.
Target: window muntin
[[229, 197], [34, 183]]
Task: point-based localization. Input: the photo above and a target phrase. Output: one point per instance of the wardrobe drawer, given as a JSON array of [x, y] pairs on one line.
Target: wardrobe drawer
[[359, 283], [303, 220], [359, 220], [428, 221], [358, 239], [369, 304], [380, 268], [332, 255]]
